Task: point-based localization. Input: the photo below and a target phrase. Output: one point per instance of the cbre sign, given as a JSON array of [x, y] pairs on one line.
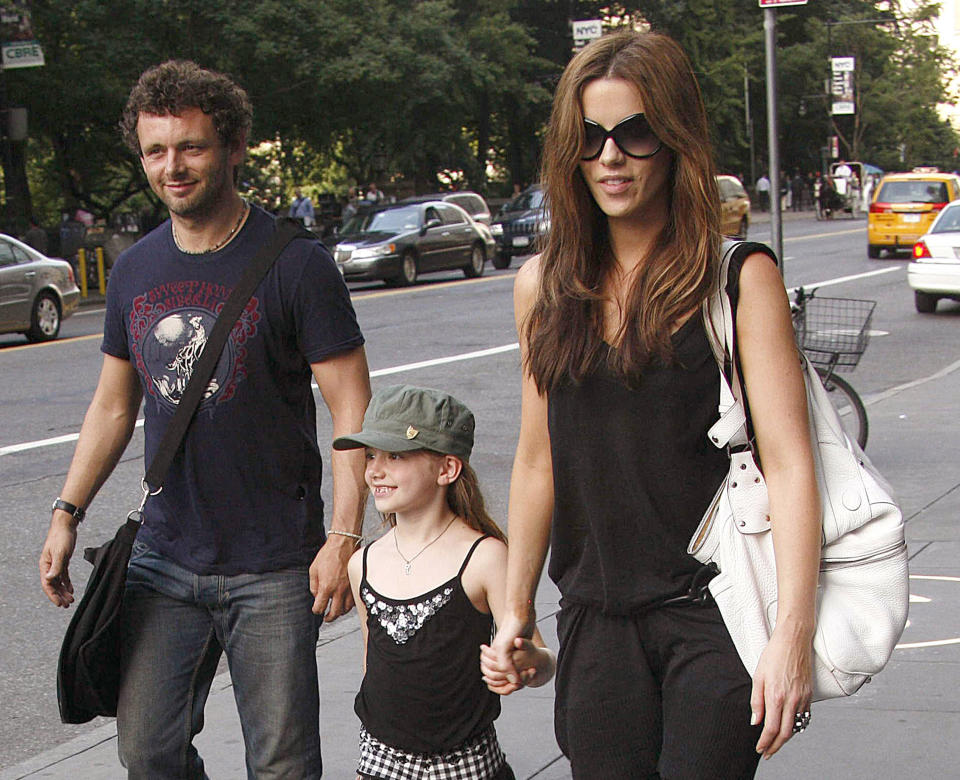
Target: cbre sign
[[22, 54]]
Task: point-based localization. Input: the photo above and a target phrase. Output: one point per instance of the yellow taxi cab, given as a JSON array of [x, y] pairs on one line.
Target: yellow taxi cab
[[734, 207], [905, 205]]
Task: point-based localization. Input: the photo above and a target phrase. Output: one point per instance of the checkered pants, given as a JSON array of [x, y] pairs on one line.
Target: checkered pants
[[479, 758]]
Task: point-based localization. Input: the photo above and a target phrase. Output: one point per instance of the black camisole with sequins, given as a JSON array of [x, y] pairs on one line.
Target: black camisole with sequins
[[422, 691]]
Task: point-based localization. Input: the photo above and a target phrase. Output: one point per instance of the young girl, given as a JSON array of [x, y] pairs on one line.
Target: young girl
[[428, 592]]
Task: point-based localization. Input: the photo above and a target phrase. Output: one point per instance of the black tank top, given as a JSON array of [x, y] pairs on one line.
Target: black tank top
[[422, 691], [633, 473]]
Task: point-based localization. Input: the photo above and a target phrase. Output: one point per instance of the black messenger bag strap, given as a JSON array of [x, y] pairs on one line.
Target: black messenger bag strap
[[286, 230]]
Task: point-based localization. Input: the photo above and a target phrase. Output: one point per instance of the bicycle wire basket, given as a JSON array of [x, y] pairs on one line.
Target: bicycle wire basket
[[834, 331]]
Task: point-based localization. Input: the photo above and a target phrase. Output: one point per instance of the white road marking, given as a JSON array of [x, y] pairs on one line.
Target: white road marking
[[922, 600], [56, 440], [71, 437]]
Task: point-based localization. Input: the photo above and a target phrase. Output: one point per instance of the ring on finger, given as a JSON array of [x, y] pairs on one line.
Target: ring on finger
[[800, 721]]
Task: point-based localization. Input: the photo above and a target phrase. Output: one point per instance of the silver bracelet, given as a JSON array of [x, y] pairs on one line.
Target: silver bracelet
[[357, 537]]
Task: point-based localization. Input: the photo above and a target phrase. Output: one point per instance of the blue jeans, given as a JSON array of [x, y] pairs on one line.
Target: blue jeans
[[176, 626]]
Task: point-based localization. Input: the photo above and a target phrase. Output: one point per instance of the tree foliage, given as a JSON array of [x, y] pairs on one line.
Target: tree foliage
[[348, 91]]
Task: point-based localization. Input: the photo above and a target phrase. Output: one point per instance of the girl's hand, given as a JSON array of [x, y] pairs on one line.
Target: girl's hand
[[782, 687], [500, 678]]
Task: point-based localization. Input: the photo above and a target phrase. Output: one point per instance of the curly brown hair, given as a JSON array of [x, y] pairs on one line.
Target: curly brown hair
[[176, 85]]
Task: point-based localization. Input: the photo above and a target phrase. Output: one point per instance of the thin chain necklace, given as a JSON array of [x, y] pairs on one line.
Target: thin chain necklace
[[219, 245], [408, 562]]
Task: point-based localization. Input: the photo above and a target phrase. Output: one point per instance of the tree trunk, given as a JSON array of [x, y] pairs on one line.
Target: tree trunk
[[18, 206]]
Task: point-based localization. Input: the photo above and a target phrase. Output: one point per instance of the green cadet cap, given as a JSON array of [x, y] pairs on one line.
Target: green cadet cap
[[402, 418]]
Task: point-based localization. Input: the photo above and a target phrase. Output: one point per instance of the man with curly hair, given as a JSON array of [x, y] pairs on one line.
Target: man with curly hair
[[232, 556]]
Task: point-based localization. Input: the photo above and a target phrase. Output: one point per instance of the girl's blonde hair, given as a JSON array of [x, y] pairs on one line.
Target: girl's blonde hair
[[465, 500], [564, 328]]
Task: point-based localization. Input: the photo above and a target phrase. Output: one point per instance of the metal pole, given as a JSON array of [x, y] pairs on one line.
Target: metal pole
[[770, 40], [748, 117]]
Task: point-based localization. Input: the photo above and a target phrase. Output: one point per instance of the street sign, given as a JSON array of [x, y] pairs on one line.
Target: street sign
[[775, 3], [587, 29], [22, 54]]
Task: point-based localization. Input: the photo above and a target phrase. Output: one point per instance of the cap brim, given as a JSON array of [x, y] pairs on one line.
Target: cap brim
[[377, 441]]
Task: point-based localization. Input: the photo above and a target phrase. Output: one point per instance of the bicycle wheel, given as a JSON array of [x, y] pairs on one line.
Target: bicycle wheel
[[845, 400]]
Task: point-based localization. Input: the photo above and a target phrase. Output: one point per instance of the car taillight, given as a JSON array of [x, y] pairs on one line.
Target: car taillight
[[880, 208], [920, 250], [937, 206], [70, 276]]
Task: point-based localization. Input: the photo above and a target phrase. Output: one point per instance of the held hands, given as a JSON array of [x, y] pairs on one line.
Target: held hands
[[55, 562], [530, 666], [329, 582], [782, 688]]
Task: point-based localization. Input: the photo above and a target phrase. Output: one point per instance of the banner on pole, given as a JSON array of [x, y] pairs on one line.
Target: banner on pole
[[841, 85]]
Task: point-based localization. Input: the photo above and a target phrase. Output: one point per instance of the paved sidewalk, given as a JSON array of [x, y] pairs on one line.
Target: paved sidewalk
[[525, 725]]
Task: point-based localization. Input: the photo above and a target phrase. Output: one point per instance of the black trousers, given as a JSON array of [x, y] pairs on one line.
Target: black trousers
[[662, 694]]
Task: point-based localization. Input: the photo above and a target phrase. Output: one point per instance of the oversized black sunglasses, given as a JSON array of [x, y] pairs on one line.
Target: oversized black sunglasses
[[632, 136]]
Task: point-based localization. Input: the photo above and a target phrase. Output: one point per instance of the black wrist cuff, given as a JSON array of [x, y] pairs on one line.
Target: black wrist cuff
[[77, 512]]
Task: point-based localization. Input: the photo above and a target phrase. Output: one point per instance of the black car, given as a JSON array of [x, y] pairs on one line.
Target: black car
[[520, 225], [399, 242]]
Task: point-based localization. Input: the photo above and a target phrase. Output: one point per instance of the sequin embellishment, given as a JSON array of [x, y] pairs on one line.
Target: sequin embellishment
[[402, 621]]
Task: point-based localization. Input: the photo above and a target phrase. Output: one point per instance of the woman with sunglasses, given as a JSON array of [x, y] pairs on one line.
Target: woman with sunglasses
[[614, 470]]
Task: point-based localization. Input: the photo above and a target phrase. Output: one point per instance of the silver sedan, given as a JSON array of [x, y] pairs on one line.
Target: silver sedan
[[36, 292]]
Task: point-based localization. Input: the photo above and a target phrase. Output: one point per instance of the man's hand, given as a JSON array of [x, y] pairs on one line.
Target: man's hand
[[55, 562], [329, 582]]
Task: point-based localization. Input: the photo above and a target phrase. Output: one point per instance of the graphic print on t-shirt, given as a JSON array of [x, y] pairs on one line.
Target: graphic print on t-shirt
[[169, 327]]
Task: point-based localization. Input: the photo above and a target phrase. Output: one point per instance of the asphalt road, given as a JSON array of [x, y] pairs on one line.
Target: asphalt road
[[447, 332]]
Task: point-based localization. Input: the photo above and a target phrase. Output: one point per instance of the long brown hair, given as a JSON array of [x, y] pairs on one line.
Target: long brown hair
[[465, 499], [564, 328]]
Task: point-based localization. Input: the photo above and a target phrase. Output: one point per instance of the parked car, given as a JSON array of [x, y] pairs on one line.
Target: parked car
[[399, 242], [36, 292], [470, 202], [934, 272], [734, 207], [520, 226], [905, 205]]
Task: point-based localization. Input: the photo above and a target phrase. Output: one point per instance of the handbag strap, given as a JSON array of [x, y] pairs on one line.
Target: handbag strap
[[285, 231], [733, 429]]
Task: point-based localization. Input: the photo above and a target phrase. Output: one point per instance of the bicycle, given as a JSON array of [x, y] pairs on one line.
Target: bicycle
[[833, 333]]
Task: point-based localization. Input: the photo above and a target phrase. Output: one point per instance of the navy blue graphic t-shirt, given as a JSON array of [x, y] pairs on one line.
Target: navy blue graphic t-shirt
[[243, 493]]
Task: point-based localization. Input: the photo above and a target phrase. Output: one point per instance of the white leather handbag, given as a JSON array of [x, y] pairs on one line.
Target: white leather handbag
[[863, 589]]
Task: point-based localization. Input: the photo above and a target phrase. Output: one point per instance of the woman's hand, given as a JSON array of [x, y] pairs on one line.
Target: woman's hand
[[497, 660], [782, 687]]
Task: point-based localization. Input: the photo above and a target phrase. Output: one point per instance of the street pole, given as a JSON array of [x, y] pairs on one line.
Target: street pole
[[770, 41], [748, 118]]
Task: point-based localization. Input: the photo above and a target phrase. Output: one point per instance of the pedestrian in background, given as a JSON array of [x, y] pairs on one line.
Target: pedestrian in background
[[428, 593], [232, 555], [796, 190], [373, 194], [763, 192], [302, 208], [614, 468], [36, 236]]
